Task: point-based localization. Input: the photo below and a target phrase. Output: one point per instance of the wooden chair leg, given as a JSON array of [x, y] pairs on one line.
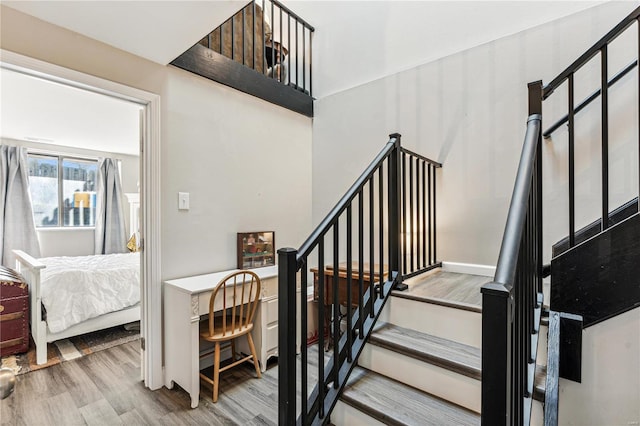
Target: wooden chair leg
[[255, 357], [233, 350], [216, 371]]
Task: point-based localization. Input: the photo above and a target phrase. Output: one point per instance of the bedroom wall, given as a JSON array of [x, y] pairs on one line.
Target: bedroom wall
[[468, 111], [233, 153], [80, 242]]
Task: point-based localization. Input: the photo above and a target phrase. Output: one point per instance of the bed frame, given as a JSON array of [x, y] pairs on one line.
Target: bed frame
[[30, 268]]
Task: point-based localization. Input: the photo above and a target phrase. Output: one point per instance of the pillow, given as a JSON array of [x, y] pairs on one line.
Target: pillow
[[132, 245]]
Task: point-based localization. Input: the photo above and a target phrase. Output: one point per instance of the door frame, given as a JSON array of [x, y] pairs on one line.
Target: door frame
[[151, 286]]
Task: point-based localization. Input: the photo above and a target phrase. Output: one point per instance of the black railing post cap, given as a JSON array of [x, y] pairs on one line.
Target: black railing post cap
[[285, 250], [395, 135]]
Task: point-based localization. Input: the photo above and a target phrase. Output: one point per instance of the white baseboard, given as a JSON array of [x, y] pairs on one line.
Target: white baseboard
[[469, 268]]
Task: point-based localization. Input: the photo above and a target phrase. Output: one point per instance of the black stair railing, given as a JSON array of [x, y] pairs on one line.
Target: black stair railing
[[265, 50], [511, 304], [269, 38], [356, 256], [598, 51]]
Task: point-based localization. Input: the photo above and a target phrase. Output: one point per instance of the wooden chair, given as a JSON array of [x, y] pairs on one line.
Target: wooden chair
[[232, 307]]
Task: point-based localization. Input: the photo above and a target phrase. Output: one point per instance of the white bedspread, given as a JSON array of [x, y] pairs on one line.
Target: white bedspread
[[74, 289]]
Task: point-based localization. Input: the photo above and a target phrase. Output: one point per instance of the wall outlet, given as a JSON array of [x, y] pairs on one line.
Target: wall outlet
[[183, 201]]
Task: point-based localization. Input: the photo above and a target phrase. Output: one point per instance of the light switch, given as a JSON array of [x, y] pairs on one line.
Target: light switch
[[183, 201]]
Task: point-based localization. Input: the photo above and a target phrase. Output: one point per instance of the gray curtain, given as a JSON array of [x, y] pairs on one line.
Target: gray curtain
[[17, 227], [110, 228]]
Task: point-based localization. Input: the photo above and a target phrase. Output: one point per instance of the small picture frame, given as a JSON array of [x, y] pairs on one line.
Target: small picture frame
[[256, 249]]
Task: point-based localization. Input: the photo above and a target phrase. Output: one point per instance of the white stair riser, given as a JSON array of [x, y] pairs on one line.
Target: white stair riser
[[345, 415], [537, 413], [542, 346], [457, 388], [450, 323]]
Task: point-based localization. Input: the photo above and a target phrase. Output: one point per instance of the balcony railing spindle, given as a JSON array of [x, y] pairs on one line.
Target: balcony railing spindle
[[335, 339], [605, 137], [380, 230], [371, 245], [360, 263], [321, 328], [572, 205], [349, 284]]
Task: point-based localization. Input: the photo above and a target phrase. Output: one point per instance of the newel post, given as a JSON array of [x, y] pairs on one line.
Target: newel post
[[287, 268], [497, 308], [395, 222], [536, 93]]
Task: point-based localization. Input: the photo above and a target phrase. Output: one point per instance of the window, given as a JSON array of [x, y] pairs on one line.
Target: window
[[66, 198]]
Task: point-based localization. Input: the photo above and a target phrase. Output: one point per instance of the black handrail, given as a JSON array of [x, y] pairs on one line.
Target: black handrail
[[590, 99], [379, 198], [511, 304], [510, 248], [346, 199], [593, 51], [292, 13], [421, 157]]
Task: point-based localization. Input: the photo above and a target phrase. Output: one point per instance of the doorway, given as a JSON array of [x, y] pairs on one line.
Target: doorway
[[149, 190]]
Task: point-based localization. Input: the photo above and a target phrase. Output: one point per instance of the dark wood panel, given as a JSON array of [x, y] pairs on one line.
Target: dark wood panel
[[214, 66], [599, 278]]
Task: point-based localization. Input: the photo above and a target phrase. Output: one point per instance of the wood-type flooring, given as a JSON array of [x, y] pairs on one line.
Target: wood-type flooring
[[104, 388]]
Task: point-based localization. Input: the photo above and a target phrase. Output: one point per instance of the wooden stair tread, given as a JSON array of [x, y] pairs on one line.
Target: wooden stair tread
[[392, 402], [438, 301], [453, 289], [454, 356]]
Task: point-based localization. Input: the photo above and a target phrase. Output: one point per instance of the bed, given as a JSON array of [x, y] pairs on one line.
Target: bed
[[70, 296]]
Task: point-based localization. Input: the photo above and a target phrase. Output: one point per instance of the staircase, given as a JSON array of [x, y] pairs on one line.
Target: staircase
[[426, 371], [405, 353]]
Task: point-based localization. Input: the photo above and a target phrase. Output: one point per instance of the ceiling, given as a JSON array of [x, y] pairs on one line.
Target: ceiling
[[156, 30], [354, 42], [41, 111]]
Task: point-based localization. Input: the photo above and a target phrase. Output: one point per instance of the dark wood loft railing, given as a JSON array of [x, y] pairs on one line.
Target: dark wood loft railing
[[357, 255], [264, 50], [512, 303]]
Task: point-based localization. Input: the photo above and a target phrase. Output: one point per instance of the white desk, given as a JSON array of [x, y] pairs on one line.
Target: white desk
[[185, 300]]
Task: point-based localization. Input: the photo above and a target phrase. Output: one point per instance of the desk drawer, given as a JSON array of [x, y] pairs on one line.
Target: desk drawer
[[271, 338], [272, 310]]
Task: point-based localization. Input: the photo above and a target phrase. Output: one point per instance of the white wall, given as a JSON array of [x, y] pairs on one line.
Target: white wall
[[246, 165], [80, 242], [467, 111], [356, 42], [610, 390], [233, 153]]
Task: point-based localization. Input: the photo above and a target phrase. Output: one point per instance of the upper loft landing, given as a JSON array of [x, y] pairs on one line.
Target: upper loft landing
[[263, 50]]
